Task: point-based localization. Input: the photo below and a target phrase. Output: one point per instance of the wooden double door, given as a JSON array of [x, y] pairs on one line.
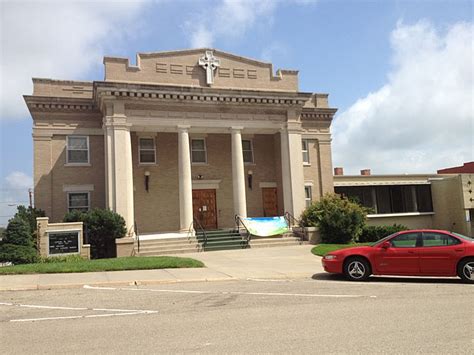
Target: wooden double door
[[270, 201], [204, 208]]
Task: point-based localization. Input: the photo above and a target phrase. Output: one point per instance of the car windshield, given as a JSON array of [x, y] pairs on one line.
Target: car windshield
[[382, 240], [463, 237]]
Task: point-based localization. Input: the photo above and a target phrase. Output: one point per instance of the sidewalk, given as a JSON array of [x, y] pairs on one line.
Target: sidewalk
[[263, 263]]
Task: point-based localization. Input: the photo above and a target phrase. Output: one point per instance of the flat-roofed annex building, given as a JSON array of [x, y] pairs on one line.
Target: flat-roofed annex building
[[196, 132]]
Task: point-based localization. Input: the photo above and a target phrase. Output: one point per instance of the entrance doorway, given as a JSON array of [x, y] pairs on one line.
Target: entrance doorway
[[270, 201], [204, 208]]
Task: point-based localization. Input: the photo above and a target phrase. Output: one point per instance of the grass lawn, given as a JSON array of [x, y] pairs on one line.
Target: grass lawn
[[117, 264], [323, 249]]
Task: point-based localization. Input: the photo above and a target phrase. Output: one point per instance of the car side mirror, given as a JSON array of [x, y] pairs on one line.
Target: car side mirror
[[386, 245]]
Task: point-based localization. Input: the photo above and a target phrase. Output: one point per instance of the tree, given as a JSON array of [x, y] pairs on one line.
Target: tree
[[18, 244], [29, 214], [339, 220], [18, 232]]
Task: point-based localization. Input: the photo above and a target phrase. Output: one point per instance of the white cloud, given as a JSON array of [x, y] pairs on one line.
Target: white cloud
[[19, 180], [13, 192], [231, 19], [422, 119], [56, 39]]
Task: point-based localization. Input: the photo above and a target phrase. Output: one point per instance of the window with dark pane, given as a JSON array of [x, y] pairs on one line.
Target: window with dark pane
[[77, 149], [305, 148], [198, 151], [247, 151], [78, 201], [308, 195], [147, 151], [423, 196]]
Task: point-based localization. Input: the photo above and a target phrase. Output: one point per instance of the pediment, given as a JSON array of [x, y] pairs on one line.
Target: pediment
[[182, 68]]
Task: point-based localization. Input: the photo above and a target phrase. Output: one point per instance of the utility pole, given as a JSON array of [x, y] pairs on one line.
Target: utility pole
[[30, 193]]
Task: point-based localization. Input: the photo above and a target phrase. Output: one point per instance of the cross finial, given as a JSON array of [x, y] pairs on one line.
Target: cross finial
[[209, 63]]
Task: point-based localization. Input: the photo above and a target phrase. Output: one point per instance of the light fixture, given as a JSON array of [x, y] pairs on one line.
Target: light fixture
[[250, 178], [147, 180], [199, 177]]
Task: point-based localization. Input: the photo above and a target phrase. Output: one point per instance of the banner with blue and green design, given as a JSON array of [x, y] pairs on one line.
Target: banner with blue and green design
[[266, 226]]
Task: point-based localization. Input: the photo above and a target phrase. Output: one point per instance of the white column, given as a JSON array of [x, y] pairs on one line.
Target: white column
[[297, 172], [238, 175], [285, 172], [185, 180], [119, 166], [292, 171]]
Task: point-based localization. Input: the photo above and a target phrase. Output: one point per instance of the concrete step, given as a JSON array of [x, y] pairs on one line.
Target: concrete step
[[221, 247], [168, 241], [169, 252], [167, 247]]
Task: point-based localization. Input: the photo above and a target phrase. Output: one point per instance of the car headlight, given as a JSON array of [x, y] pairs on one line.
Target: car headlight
[[330, 257]]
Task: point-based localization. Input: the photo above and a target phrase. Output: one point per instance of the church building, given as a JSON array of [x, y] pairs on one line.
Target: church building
[[187, 134]]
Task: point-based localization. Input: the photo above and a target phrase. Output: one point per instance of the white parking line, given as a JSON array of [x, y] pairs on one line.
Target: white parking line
[[118, 312], [229, 292]]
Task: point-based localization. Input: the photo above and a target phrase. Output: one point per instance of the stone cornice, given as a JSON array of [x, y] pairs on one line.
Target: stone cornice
[[318, 114], [194, 95], [59, 104]]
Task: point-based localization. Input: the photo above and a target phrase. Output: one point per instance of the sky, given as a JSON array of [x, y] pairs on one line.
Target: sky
[[400, 72]]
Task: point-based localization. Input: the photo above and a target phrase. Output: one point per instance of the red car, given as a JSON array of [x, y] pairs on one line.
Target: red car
[[410, 253]]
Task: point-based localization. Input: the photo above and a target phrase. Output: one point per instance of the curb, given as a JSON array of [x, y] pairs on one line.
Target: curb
[[112, 283]]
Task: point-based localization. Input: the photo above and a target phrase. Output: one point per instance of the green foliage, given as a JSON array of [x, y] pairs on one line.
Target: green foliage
[[18, 232], [102, 227], [323, 249], [2, 231], [372, 234], [60, 259], [18, 254], [29, 214], [128, 263], [339, 220]]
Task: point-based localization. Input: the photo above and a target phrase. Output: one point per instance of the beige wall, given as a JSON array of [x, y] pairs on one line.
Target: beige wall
[[158, 209], [319, 172], [52, 174], [412, 222], [181, 68], [448, 204]]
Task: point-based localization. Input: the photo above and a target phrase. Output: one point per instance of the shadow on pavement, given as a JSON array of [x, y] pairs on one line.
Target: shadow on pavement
[[394, 279]]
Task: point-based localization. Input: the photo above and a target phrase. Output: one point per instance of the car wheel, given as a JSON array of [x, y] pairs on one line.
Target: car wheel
[[356, 269], [466, 270]]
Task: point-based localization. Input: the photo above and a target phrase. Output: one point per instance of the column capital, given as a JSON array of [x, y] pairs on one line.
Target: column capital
[[236, 129], [117, 122], [183, 128]]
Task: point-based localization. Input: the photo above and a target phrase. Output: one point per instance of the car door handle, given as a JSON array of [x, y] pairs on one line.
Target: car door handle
[[458, 249], [411, 252]]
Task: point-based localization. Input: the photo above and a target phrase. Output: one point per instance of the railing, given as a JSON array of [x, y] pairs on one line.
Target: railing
[[238, 222], [198, 224], [135, 229], [294, 224]]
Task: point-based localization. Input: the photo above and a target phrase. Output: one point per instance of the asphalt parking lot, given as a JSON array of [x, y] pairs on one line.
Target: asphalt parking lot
[[317, 314]]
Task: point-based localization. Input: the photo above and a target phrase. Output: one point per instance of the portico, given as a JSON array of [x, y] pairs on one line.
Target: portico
[[187, 134]]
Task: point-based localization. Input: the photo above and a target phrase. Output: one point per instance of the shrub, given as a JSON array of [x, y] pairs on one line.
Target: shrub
[[18, 254], [372, 234], [339, 220], [102, 227], [18, 232]]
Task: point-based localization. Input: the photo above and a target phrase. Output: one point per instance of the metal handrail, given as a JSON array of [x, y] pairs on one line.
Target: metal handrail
[[195, 221], [292, 221], [238, 221], [135, 228]]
